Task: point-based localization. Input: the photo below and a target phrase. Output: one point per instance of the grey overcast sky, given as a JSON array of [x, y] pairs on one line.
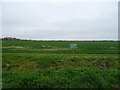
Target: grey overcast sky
[[60, 21]]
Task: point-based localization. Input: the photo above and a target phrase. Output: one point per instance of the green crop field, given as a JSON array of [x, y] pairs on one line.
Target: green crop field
[[52, 64]]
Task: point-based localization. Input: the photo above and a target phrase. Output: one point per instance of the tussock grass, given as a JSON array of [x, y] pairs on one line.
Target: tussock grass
[[63, 78]]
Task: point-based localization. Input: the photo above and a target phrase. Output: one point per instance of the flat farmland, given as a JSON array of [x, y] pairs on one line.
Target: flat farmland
[[52, 64]]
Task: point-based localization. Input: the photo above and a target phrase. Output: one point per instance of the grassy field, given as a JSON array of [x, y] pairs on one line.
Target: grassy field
[[52, 64], [14, 46]]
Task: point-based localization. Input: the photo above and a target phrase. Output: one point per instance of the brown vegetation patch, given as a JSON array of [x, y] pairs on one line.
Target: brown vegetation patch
[[53, 49], [27, 66]]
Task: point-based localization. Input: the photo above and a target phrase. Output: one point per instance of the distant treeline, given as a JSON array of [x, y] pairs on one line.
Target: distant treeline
[[13, 38], [9, 38]]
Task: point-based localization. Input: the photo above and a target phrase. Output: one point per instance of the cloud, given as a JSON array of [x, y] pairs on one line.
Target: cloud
[[60, 20], [59, 1]]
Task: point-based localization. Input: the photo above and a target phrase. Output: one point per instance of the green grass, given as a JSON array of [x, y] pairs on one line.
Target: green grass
[[52, 64], [64, 78], [63, 47], [38, 62]]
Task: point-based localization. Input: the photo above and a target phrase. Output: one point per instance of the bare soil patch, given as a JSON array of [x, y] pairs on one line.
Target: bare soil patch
[[14, 47]]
